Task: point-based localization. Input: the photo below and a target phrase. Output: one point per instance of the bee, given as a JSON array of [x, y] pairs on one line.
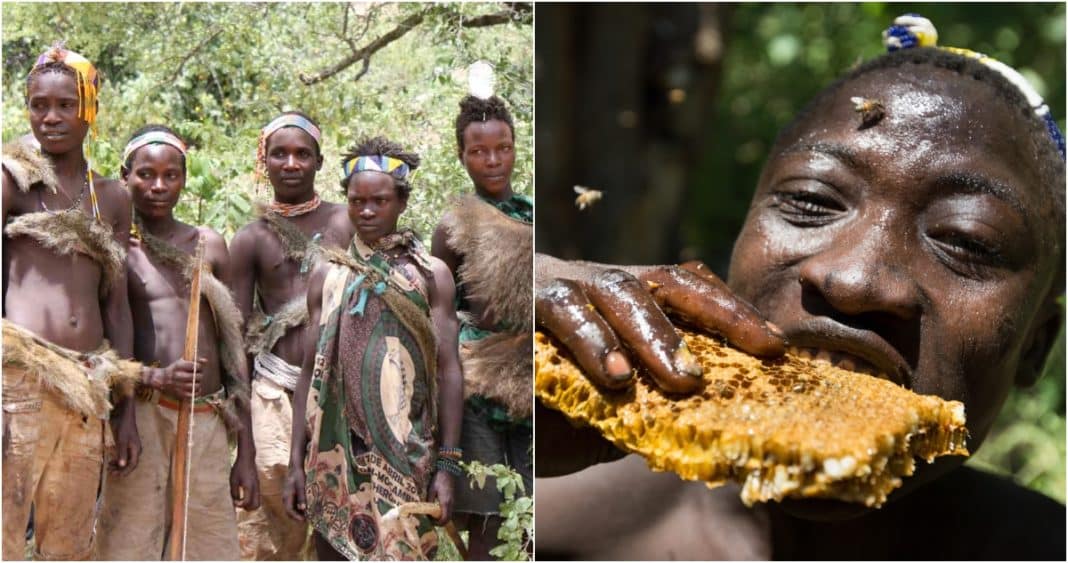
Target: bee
[[587, 197], [871, 111]]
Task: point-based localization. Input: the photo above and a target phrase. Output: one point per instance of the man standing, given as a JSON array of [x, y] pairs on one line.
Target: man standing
[[134, 520], [380, 390], [486, 240], [66, 316], [272, 257]]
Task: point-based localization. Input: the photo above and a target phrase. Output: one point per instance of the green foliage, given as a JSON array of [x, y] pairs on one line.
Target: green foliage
[[218, 72], [517, 512]]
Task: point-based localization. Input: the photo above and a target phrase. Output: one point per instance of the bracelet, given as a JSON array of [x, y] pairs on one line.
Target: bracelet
[[451, 453], [449, 466]]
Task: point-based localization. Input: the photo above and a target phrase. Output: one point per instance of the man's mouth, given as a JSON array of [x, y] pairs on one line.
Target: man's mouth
[[53, 135], [852, 350]]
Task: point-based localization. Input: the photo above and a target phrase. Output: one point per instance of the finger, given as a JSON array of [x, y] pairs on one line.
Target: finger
[[643, 327], [565, 311], [697, 296]]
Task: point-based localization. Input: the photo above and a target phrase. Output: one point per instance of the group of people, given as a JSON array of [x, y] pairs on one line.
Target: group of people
[[336, 372]]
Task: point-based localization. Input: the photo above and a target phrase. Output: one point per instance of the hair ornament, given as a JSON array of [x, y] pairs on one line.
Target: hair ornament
[[914, 30]]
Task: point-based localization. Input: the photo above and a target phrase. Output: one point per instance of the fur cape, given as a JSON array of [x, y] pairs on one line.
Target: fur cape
[[496, 253], [28, 167], [80, 379], [227, 323], [64, 232], [295, 245]]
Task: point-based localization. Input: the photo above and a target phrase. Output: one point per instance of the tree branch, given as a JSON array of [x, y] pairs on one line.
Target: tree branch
[[190, 54], [518, 11]]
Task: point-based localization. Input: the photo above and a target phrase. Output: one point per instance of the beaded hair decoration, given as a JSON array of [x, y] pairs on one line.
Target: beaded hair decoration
[[87, 81], [153, 138], [914, 30]]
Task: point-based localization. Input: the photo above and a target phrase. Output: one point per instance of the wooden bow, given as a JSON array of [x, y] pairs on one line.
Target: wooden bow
[[180, 461]]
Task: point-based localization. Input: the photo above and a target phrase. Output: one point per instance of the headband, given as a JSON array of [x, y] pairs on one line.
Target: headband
[[914, 30], [153, 138], [378, 163], [292, 120], [87, 81]]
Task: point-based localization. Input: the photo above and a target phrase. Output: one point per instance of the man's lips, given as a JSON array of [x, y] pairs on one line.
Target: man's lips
[[849, 348]]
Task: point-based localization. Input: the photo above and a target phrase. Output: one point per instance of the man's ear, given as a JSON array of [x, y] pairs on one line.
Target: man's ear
[[1045, 334], [319, 166], [123, 173]]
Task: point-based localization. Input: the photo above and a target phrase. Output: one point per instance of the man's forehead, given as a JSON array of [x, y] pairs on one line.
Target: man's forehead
[[157, 153], [290, 136]]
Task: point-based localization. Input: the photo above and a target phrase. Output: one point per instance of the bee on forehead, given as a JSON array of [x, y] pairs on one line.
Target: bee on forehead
[[871, 111], [586, 197]]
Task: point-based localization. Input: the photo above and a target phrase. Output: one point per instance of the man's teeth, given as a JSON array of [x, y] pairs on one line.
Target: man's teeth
[[839, 360]]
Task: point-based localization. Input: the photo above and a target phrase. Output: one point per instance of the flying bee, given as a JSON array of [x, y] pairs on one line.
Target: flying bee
[[587, 197], [871, 111]]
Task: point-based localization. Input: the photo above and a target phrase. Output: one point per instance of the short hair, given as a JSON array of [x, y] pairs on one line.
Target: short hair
[[381, 146], [474, 109], [1051, 166], [148, 129]]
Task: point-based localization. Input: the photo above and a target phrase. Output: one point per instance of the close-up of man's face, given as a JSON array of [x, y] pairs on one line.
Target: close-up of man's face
[[922, 248], [52, 101], [293, 159]]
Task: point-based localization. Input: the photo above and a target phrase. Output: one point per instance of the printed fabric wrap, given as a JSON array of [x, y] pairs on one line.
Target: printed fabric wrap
[[371, 408]]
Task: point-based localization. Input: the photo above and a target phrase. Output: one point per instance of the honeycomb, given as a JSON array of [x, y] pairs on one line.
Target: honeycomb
[[783, 427]]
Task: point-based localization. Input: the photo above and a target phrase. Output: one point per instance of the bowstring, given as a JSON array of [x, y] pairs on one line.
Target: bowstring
[[189, 440]]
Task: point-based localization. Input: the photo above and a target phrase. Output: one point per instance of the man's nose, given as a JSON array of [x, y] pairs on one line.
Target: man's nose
[[157, 184], [291, 162], [367, 212], [864, 272], [493, 158], [52, 116]]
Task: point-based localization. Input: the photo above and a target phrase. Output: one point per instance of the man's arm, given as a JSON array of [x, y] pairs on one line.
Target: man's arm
[[450, 378], [440, 249], [242, 276], [7, 202], [293, 498], [244, 482], [118, 328]]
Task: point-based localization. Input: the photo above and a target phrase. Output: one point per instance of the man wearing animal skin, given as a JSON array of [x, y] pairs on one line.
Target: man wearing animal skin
[[272, 259], [67, 326], [137, 507], [927, 242]]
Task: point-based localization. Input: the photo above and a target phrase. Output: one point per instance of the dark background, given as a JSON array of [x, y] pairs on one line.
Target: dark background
[[670, 110]]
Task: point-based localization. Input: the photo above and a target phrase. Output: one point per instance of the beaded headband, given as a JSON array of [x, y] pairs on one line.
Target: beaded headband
[[153, 138], [378, 163], [914, 30]]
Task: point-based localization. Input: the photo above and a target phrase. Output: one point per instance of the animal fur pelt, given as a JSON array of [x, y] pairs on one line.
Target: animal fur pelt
[[264, 331], [499, 367], [81, 380], [295, 245], [497, 254], [225, 312], [28, 168], [67, 232]]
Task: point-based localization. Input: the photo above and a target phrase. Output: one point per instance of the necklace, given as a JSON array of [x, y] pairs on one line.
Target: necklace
[[75, 203]]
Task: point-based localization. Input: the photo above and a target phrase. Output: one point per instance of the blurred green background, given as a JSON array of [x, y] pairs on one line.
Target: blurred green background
[[670, 110], [218, 72]]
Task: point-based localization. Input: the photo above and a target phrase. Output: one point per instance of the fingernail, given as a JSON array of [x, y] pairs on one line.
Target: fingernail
[[774, 329], [685, 362], [616, 365]]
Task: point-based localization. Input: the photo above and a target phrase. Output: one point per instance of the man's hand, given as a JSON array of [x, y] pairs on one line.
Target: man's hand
[[293, 493], [441, 490], [244, 482], [176, 380], [594, 310], [127, 442]]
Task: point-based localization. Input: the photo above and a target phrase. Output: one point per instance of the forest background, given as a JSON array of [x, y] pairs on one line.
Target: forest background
[[218, 72], [670, 109]]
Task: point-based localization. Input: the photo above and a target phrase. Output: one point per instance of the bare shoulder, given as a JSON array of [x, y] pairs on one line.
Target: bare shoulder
[[244, 241], [214, 245], [339, 229], [112, 194]]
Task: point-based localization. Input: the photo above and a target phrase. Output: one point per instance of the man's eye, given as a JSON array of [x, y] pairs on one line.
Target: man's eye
[[968, 255], [807, 209]]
